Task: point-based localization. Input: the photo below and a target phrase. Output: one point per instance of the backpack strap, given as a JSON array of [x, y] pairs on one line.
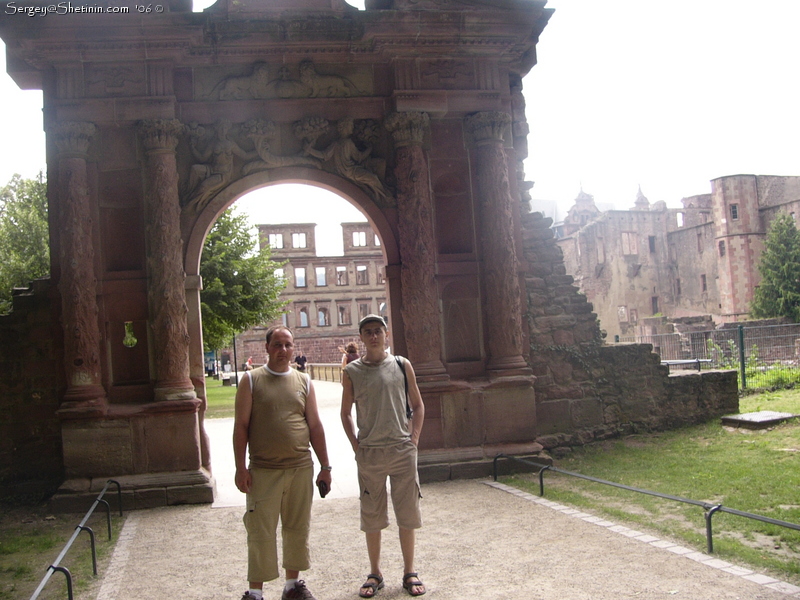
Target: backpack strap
[[402, 366]]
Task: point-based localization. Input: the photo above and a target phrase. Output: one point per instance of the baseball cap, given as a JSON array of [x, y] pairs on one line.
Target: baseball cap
[[370, 319]]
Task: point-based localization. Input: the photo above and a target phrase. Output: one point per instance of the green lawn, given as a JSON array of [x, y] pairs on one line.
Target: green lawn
[[220, 399], [752, 471]]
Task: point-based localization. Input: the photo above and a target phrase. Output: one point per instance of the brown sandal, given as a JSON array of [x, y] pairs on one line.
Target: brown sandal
[[410, 585], [371, 586]]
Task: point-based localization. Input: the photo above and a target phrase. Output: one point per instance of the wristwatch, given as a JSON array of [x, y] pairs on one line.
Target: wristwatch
[[328, 468]]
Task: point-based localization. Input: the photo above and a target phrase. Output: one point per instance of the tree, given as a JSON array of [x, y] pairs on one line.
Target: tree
[[24, 235], [240, 287], [778, 295]]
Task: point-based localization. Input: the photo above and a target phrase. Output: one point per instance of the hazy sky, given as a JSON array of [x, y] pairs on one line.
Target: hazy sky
[[663, 94]]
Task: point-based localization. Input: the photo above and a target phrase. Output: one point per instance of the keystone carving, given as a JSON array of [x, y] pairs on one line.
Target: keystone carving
[[263, 134]]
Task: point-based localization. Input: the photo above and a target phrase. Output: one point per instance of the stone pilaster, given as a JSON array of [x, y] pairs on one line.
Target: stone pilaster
[[417, 239], [166, 277], [78, 284], [496, 224]]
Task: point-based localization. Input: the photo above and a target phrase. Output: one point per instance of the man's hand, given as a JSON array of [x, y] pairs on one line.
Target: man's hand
[[244, 480]]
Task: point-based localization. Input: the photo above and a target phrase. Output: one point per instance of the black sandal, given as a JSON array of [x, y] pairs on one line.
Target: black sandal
[[409, 585], [371, 586]]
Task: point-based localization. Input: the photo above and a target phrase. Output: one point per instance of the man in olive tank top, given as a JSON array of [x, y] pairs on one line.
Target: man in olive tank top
[[389, 417], [277, 419]]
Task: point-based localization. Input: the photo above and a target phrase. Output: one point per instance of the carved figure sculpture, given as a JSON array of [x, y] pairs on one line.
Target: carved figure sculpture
[[350, 162], [248, 87], [325, 86], [215, 169], [263, 133]]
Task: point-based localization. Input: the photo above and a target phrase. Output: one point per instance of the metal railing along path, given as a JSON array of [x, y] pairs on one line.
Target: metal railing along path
[[709, 508], [56, 566]]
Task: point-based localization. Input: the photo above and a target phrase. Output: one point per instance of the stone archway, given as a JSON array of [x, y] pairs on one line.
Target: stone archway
[[156, 122]]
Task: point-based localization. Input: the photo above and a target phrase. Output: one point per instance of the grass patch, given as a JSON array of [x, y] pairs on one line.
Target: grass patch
[[30, 541], [752, 471], [220, 399]]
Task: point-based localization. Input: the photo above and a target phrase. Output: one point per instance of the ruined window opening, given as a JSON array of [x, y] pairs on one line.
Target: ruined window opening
[[703, 283], [652, 241], [630, 243], [362, 277], [341, 275], [298, 240], [722, 248], [700, 243], [363, 310], [323, 317], [321, 277], [344, 315], [276, 240], [654, 302], [634, 315], [300, 277], [734, 212], [679, 218], [280, 274], [677, 287], [129, 341], [303, 317], [359, 238], [377, 240], [381, 277], [285, 319]]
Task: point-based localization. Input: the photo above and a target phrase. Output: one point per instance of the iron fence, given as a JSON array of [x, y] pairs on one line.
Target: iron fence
[[765, 357]]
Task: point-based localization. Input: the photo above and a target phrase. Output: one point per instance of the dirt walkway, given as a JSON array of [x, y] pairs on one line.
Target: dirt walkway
[[478, 541]]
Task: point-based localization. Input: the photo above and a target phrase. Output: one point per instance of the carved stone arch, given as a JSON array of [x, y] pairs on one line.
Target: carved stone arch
[[196, 230]]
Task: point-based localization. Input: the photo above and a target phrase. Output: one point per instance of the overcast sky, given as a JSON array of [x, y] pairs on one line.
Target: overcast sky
[[663, 94]]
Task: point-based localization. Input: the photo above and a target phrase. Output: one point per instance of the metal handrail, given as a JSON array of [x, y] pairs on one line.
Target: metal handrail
[[709, 508], [55, 567]]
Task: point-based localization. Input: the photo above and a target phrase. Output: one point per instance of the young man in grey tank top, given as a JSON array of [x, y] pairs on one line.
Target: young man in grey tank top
[[385, 444]]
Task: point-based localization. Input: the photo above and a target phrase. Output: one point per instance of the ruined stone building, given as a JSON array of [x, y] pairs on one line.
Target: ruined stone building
[[701, 259], [326, 296]]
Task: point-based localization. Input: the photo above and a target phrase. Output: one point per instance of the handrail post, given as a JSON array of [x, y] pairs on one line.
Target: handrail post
[[709, 535], [494, 465], [108, 514], [119, 493], [541, 479], [68, 575], [94, 547]]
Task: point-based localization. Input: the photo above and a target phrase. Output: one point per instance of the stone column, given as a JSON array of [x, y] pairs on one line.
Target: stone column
[[499, 254], [78, 284], [166, 277], [420, 298]]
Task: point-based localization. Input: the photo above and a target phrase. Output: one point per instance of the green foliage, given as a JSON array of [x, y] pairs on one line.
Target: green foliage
[[240, 288], [778, 294], [24, 238]]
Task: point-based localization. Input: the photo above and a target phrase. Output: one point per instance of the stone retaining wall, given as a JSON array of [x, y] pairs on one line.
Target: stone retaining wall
[[31, 462]]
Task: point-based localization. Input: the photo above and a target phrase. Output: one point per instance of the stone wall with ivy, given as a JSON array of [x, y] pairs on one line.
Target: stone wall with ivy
[[586, 390], [30, 432]]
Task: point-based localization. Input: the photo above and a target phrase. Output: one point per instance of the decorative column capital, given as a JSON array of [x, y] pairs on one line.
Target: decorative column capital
[[160, 135], [487, 127], [72, 138], [408, 128]]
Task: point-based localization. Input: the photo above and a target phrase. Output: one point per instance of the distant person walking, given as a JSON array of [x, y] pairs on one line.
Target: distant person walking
[[276, 417], [301, 361], [349, 354], [389, 414]]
